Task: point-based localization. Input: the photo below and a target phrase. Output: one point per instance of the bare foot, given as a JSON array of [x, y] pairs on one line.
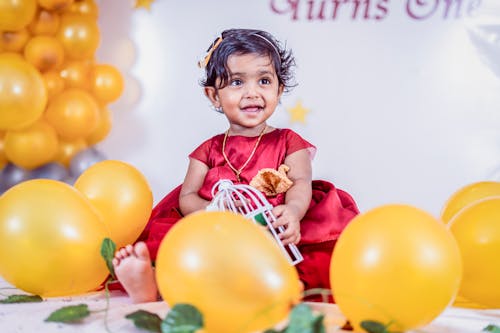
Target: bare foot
[[133, 269]]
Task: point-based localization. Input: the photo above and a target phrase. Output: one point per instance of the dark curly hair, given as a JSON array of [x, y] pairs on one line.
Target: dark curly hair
[[246, 41]]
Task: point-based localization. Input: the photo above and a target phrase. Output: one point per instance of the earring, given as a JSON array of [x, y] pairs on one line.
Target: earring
[[218, 109]]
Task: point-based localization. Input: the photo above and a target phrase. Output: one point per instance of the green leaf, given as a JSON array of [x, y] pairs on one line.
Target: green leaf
[[69, 314], [146, 320], [372, 326], [302, 320], [21, 299], [182, 318], [492, 328], [108, 248], [318, 326]]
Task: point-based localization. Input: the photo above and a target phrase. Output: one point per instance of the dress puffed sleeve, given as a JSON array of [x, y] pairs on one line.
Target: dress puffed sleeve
[[295, 143], [202, 152]]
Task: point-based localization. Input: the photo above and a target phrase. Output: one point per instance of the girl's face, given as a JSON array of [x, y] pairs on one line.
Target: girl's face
[[252, 93]]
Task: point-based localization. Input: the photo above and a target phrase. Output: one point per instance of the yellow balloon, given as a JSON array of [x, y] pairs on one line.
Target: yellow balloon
[[33, 146], [477, 231], [103, 128], [84, 7], [15, 15], [54, 83], [14, 41], [23, 95], [45, 22], [79, 35], [44, 52], [74, 113], [68, 149], [231, 269], [55, 5], [467, 195], [106, 83], [462, 302], [76, 73], [121, 195], [50, 239], [395, 264]]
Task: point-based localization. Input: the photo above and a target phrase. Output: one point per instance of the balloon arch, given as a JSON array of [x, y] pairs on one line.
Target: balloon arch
[[54, 95]]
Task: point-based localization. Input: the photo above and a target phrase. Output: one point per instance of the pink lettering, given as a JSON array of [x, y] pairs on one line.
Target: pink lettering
[[449, 9], [421, 9], [382, 8], [365, 10], [292, 6]]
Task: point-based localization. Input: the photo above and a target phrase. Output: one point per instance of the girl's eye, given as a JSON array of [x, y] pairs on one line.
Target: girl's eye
[[236, 82], [265, 81]]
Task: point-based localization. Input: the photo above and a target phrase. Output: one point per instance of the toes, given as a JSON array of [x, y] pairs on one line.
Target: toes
[[141, 251], [123, 253], [115, 262], [129, 249], [118, 255]]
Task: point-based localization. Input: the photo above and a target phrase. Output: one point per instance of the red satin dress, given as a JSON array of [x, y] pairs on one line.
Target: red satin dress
[[329, 212]]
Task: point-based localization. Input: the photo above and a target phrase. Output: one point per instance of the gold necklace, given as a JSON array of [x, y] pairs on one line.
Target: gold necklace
[[237, 172]]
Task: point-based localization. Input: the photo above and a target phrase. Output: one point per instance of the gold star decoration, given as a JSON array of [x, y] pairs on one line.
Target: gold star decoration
[[298, 113], [146, 4]]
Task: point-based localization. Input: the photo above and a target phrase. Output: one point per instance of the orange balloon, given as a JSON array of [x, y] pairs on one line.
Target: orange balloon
[[23, 95], [50, 239], [79, 35], [15, 15], [45, 22], [73, 113], [14, 41], [122, 196], [55, 5], [68, 149], [468, 195], [106, 83], [75, 74], [84, 7], [395, 264], [477, 231], [31, 147], [103, 128], [44, 52], [54, 83], [231, 269]]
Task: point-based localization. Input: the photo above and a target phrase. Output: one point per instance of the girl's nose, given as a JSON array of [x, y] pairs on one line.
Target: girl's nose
[[251, 91]]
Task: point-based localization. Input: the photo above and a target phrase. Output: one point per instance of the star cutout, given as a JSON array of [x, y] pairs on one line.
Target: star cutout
[[146, 4], [298, 113]]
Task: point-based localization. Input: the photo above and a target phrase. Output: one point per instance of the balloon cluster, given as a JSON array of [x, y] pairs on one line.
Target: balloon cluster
[[400, 266], [473, 216], [51, 233], [54, 96]]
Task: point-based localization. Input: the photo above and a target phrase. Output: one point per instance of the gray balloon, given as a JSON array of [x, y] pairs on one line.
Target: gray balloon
[[11, 175], [53, 170], [70, 180], [83, 160]]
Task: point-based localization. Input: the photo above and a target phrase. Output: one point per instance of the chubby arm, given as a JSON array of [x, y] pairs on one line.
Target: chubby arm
[[297, 198], [189, 200]]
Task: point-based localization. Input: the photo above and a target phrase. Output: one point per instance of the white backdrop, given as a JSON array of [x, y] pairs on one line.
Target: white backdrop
[[403, 109]]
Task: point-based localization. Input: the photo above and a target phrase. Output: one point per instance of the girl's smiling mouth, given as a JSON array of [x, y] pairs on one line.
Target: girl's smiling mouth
[[252, 108]]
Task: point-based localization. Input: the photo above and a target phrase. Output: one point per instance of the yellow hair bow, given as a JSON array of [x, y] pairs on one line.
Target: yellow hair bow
[[203, 63]]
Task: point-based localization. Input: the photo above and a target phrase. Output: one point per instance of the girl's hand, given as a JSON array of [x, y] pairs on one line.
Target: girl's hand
[[286, 217]]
